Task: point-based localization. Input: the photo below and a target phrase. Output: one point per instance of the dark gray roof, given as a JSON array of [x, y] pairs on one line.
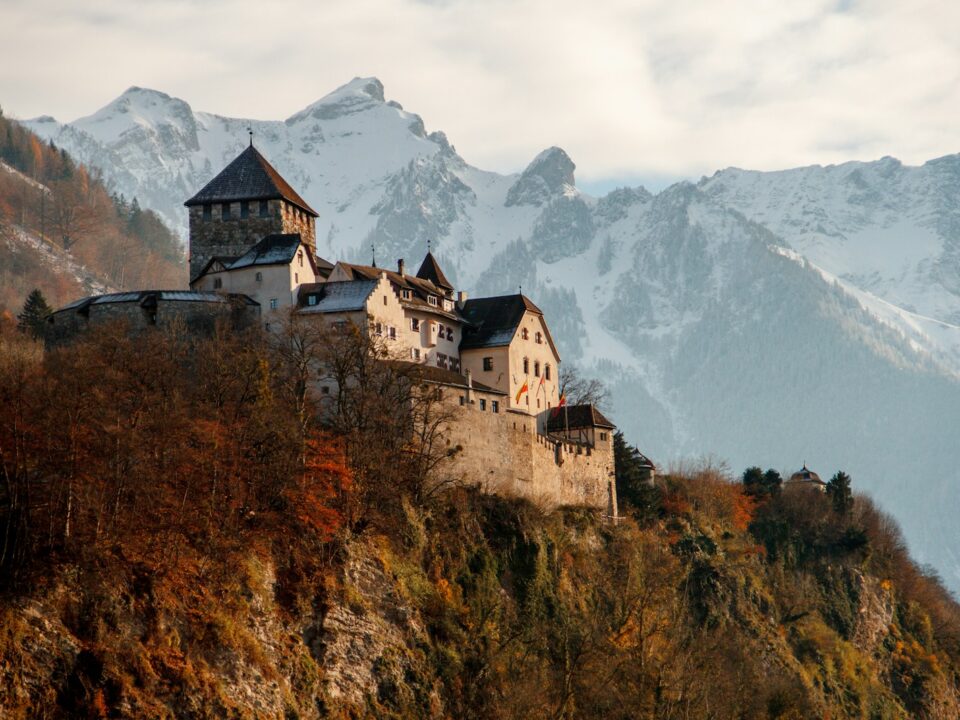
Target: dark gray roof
[[806, 475], [272, 250], [430, 270], [493, 321], [577, 416], [345, 296], [249, 177], [149, 298]]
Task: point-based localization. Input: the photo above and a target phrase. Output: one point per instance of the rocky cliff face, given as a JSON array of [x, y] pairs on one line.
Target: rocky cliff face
[[809, 314]]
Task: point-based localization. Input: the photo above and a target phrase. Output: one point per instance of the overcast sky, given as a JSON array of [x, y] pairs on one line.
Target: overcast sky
[[630, 88]]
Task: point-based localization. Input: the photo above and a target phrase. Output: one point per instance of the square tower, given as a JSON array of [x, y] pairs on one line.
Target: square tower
[[246, 202]]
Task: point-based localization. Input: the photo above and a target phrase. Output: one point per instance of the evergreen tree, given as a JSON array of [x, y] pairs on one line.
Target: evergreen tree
[[760, 484], [34, 314], [839, 492], [635, 492]]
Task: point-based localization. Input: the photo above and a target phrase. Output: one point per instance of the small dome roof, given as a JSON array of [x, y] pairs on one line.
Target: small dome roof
[[806, 475]]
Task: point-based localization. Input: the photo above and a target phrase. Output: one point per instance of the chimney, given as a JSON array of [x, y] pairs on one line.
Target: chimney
[[469, 376], [400, 267], [461, 299]]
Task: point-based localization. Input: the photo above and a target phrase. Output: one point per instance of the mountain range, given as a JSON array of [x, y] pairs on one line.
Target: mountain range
[[807, 316]]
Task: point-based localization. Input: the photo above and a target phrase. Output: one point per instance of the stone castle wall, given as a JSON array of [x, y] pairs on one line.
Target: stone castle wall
[[503, 453], [197, 317], [234, 236]]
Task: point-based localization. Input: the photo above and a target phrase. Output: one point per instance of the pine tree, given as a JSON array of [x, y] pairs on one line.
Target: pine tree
[[839, 492], [634, 489], [34, 314]]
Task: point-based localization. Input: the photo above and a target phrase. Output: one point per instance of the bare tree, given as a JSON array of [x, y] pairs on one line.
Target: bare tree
[[580, 390]]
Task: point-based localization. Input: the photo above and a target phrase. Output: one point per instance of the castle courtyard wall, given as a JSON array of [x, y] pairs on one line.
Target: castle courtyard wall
[[503, 453]]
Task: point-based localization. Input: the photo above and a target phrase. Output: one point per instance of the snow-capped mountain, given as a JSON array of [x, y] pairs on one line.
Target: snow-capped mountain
[[766, 318]]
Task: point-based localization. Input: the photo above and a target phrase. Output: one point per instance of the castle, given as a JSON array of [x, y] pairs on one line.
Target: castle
[[253, 255]]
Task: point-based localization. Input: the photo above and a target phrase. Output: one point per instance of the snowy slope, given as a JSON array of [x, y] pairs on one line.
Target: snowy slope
[[769, 318]]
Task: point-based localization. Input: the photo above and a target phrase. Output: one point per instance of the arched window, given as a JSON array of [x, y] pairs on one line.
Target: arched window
[[526, 366]]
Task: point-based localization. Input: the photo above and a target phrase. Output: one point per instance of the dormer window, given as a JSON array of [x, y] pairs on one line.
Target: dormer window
[[312, 300], [405, 294], [432, 300]]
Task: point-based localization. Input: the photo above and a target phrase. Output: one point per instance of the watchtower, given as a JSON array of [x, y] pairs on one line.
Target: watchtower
[[247, 201]]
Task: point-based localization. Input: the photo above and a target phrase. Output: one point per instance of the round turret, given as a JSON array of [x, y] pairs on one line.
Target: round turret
[[805, 477]]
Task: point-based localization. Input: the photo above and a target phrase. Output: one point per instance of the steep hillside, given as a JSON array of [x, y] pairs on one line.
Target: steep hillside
[[179, 540], [809, 315], [62, 232]]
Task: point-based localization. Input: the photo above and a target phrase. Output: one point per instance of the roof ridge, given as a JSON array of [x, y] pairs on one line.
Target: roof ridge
[[249, 176]]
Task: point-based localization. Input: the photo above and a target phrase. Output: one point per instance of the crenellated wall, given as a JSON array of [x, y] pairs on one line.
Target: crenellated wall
[[503, 453]]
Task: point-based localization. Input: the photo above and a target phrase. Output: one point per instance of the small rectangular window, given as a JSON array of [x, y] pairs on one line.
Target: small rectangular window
[[273, 303], [415, 354], [259, 277], [495, 405], [378, 329], [312, 300], [217, 283], [392, 332], [441, 361], [449, 333], [207, 212], [244, 209], [300, 257], [488, 364], [415, 324], [405, 294], [384, 299], [296, 277], [432, 300], [463, 400], [225, 211], [264, 208], [483, 404]]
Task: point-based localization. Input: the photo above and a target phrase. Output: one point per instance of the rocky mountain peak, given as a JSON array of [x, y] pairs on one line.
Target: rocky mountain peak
[[548, 175], [355, 96]]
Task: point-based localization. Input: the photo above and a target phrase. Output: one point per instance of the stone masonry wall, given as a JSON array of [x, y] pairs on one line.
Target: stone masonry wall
[[504, 454], [198, 317], [233, 237]]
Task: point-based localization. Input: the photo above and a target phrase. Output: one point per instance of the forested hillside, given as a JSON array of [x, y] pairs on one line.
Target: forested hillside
[[181, 537], [62, 232]]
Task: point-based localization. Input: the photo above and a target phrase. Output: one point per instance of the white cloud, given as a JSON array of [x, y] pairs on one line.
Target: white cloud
[[627, 87]]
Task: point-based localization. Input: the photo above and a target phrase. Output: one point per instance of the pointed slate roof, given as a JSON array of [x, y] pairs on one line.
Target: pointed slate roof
[[430, 270], [249, 177]]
